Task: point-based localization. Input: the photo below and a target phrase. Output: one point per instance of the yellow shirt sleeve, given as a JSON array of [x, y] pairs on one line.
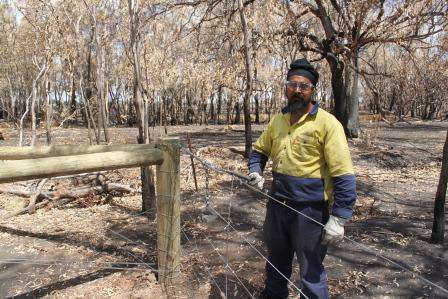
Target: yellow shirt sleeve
[[336, 151], [264, 142]]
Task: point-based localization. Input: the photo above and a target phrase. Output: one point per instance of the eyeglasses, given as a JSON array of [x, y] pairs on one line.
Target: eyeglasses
[[300, 85]]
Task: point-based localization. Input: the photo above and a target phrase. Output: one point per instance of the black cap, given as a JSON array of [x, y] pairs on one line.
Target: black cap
[[301, 67]]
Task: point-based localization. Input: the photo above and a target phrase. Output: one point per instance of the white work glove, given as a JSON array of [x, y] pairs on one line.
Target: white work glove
[[256, 180], [334, 230]]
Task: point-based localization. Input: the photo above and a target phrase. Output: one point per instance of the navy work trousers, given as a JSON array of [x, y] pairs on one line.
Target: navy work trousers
[[286, 232]]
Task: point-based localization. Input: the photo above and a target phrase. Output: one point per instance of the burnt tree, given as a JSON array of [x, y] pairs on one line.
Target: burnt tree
[[438, 225]]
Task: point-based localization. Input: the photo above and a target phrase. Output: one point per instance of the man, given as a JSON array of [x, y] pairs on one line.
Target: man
[[313, 174]]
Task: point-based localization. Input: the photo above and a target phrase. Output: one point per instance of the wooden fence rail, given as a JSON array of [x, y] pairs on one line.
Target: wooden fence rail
[[28, 152], [27, 169], [26, 163]]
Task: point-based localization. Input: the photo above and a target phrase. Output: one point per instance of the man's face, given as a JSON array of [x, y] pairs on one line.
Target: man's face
[[298, 92]]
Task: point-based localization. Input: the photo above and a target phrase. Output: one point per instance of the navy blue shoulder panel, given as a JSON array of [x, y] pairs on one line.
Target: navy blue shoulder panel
[[344, 194], [315, 108], [257, 162]]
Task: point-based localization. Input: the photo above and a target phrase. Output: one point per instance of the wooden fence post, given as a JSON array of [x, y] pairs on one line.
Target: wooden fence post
[[168, 210]]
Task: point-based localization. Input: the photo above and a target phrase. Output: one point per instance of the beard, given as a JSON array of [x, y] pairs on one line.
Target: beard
[[296, 103]]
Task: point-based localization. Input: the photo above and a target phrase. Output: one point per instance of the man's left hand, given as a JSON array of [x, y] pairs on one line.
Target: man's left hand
[[334, 230]]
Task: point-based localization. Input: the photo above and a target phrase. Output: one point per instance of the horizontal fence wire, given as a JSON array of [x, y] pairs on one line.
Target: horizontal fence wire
[[102, 265], [129, 240], [50, 262], [203, 263], [258, 252], [224, 261], [244, 181], [192, 295], [227, 266], [207, 202]]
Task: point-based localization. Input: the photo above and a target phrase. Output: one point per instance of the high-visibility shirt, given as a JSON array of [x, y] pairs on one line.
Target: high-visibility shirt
[[310, 160]]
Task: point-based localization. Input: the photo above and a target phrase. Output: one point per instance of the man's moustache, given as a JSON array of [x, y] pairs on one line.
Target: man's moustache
[[297, 97]]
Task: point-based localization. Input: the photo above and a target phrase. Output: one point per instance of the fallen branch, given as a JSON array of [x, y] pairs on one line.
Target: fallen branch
[[22, 191], [36, 194], [78, 176], [24, 210], [66, 196]]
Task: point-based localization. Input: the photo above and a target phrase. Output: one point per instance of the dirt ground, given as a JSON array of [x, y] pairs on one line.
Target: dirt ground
[[102, 247]]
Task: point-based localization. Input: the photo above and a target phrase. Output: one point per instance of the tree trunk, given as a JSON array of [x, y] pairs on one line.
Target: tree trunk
[[89, 92], [393, 99], [89, 111], [352, 129], [49, 112], [229, 109], [257, 94], [147, 174], [212, 109], [219, 104], [257, 108], [248, 93], [33, 102], [106, 99], [92, 121], [338, 88], [237, 120], [438, 226], [160, 110], [190, 111], [22, 120], [12, 95], [86, 110], [33, 97], [344, 83], [165, 109], [100, 59], [73, 100], [2, 108], [100, 62], [33, 113]]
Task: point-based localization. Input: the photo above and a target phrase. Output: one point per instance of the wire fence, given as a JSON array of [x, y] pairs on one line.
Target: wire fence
[[140, 265], [243, 180]]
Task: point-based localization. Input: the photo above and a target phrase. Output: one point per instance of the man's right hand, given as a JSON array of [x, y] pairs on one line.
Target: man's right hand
[[334, 230], [256, 180]]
